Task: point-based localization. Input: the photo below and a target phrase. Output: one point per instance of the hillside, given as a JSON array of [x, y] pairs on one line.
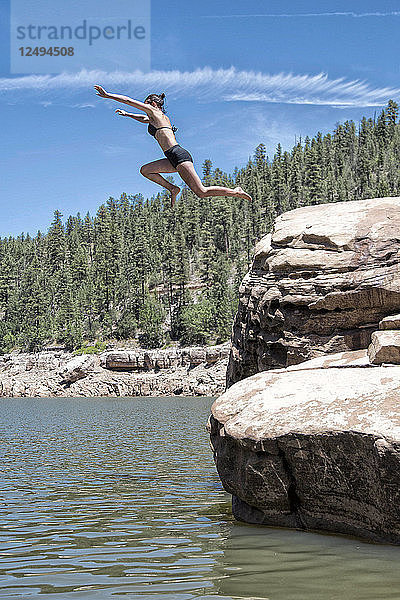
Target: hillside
[[142, 271]]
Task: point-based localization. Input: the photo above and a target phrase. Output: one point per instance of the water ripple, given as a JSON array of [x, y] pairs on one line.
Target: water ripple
[[103, 498]]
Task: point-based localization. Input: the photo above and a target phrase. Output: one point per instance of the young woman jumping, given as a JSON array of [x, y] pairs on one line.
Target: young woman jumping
[[177, 158]]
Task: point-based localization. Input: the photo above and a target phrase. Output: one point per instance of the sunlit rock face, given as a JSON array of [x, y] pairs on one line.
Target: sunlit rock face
[[315, 446], [192, 371], [385, 347], [319, 284]]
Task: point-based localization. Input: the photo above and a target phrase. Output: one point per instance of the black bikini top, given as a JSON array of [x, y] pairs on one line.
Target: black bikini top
[[152, 130]]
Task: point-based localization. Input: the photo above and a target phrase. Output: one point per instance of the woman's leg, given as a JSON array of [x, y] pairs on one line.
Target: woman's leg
[[188, 173], [152, 171]]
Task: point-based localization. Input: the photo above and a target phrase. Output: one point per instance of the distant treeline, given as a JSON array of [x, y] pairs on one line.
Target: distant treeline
[[140, 269]]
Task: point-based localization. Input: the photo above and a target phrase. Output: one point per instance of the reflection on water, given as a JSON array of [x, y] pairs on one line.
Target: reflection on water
[[104, 498], [291, 565]]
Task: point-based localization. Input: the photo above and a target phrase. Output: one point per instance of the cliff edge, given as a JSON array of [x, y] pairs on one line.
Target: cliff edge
[[308, 433], [319, 284]]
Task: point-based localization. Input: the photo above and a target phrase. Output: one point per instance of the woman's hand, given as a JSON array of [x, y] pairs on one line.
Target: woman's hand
[[123, 113], [101, 91]]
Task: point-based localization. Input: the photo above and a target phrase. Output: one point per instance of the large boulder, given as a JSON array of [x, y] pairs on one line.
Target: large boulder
[[78, 367], [384, 347], [315, 446], [319, 284]]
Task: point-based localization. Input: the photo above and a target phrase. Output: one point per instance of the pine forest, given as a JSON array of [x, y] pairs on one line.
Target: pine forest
[[142, 271]]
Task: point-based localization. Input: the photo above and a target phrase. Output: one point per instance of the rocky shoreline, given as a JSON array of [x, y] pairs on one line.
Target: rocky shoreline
[[192, 371]]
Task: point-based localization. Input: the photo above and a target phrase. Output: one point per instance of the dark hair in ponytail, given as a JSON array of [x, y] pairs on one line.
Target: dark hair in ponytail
[[158, 99]]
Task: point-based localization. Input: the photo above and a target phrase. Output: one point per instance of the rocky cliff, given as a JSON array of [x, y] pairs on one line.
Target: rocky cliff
[[319, 284], [195, 371], [308, 434], [315, 446]]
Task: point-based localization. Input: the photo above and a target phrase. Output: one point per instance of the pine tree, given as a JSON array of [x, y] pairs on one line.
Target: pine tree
[[207, 168]]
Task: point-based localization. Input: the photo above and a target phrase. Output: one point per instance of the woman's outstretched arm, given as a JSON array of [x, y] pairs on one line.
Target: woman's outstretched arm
[[147, 108], [140, 118]]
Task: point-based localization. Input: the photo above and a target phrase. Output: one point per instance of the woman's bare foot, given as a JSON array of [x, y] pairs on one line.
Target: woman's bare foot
[[240, 193], [174, 192]]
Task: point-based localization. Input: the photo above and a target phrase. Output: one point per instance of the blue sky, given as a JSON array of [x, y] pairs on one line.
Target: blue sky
[[235, 74]]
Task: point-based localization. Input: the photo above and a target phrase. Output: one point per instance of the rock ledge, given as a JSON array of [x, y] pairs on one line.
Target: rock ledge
[[314, 447]]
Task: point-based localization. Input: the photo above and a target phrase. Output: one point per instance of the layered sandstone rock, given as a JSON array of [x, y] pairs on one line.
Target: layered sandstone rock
[[319, 284], [138, 372], [390, 322], [384, 347], [146, 360], [314, 446]]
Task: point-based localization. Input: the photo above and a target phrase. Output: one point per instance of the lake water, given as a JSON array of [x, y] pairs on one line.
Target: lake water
[[119, 498]]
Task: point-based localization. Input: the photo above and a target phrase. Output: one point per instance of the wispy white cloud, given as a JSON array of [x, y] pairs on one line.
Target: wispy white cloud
[[354, 15], [207, 85], [84, 105], [114, 150]]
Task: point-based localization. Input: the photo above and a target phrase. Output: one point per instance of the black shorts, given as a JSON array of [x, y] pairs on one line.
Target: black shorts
[[177, 154]]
